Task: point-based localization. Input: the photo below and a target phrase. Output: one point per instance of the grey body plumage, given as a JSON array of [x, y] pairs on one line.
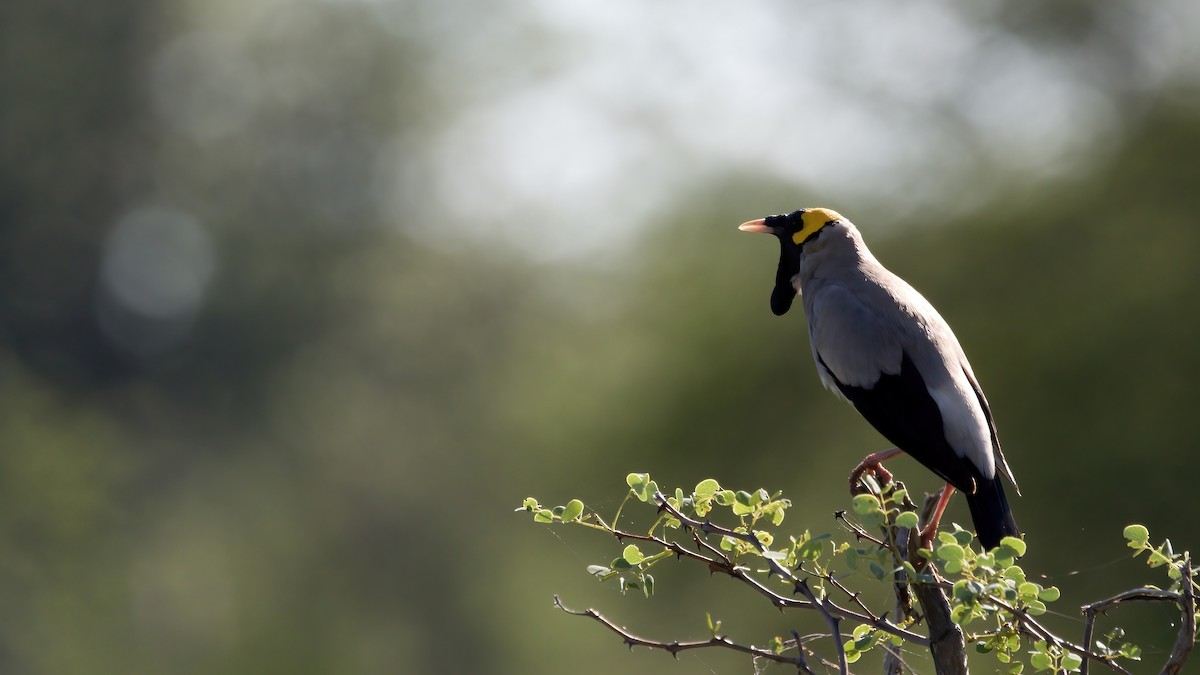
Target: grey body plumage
[[880, 345]]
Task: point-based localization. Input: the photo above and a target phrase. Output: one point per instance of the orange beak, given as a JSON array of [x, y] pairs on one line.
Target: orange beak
[[756, 226]]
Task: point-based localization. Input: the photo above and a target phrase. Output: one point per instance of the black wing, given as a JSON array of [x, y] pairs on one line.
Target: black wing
[[900, 408]]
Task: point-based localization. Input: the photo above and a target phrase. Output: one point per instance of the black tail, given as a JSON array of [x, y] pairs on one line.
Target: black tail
[[990, 512]]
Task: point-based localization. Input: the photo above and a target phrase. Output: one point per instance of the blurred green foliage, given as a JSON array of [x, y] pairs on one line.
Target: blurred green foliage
[[260, 415]]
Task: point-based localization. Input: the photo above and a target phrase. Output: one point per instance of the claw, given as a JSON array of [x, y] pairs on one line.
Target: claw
[[873, 464]]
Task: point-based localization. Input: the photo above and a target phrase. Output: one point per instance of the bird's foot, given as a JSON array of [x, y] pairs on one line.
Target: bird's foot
[[872, 464]]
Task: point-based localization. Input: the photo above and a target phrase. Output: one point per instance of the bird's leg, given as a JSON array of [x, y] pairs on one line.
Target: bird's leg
[[930, 530], [873, 463]]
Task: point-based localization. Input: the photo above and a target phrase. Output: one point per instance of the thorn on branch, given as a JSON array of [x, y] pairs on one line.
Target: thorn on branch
[[675, 646], [832, 621], [1184, 642]]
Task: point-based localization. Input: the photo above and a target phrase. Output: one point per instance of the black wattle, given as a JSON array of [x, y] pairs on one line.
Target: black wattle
[[783, 293]]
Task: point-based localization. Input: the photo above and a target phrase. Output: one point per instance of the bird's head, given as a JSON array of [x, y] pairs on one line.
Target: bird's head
[[793, 231]]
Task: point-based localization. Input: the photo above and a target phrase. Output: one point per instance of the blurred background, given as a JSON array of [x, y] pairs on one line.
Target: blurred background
[[298, 300]]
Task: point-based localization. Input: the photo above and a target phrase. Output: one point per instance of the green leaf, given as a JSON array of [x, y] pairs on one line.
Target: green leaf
[[632, 555], [1137, 535], [647, 585], [865, 504], [1041, 661], [776, 645], [960, 614], [1157, 559], [961, 536], [643, 488], [810, 550], [598, 570], [852, 654], [740, 509], [1131, 652], [950, 552], [724, 497], [1049, 594], [1015, 545], [907, 519], [877, 571], [1028, 590], [706, 488], [873, 519], [543, 516], [572, 511], [1016, 574], [530, 504], [777, 516], [1071, 662]]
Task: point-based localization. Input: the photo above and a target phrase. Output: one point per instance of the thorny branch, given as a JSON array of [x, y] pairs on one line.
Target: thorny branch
[[1186, 599], [830, 620], [739, 573], [675, 647], [946, 640]]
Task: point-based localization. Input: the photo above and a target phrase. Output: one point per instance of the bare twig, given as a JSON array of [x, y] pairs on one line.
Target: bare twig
[[674, 647]]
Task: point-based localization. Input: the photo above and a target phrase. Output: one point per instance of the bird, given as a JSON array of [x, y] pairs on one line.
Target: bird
[[881, 346]]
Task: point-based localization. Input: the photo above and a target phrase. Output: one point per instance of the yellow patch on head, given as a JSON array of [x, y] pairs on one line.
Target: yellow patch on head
[[814, 219]]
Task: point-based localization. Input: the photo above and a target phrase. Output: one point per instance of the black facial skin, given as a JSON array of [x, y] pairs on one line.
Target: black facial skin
[[789, 260]]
